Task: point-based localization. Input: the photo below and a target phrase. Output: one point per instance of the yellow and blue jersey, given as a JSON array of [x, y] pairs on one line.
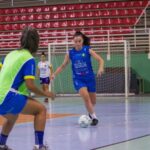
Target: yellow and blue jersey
[[27, 71]]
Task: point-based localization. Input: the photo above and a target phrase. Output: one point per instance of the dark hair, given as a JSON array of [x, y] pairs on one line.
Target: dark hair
[[43, 54], [86, 40], [30, 39]]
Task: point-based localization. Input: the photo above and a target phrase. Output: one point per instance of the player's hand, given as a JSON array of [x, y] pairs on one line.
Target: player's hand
[[50, 94], [100, 72], [52, 77]]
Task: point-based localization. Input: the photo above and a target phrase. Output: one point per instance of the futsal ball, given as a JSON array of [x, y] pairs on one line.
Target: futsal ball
[[84, 121]]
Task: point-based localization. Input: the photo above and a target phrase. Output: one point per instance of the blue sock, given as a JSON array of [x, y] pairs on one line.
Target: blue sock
[[39, 135], [3, 139]]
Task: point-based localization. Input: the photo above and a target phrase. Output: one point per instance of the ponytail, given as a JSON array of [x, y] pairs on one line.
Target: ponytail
[[86, 40]]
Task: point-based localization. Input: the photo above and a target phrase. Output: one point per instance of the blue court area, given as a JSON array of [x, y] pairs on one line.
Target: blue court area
[[124, 125]]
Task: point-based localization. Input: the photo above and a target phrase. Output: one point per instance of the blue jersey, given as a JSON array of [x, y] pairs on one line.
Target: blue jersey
[[81, 63]]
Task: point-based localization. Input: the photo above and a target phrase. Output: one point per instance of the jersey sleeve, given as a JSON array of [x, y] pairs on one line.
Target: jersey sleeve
[[0, 65], [29, 69]]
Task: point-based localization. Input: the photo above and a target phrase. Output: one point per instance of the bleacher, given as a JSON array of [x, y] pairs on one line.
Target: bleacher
[[58, 20]]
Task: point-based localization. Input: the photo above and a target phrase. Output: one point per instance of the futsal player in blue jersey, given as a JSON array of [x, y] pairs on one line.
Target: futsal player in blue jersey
[[83, 75]]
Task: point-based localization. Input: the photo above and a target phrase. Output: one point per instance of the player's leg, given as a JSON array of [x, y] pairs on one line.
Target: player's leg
[[45, 86], [38, 110], [85, 95], [93, 97], [6, 129], [91, 87], [88, 103]]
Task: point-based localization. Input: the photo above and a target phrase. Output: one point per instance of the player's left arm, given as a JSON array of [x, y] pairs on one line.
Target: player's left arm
[[100, 61], [51, 69]]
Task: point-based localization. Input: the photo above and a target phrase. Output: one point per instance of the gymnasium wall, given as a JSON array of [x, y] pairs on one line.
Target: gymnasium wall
[[140, 65]]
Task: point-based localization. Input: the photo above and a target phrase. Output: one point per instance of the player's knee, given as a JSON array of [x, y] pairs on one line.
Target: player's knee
[[43, 109]]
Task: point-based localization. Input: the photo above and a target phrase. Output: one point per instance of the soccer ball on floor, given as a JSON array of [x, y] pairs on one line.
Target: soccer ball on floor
[[84, 121]]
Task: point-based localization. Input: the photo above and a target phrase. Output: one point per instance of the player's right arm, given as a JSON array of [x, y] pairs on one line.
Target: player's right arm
[[38, 70], [62, 67], [32, 87]]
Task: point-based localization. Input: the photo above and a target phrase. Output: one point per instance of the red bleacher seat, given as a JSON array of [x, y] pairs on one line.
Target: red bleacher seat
[[96, 13], [15, 11], [22, 26], [128, 21], [31, 17], [86, 6], [95, 6], [111, 4], [134, 11], [39, 17], [122, 12], [79, 6], [63, 24], [70, 7], [22, 10], [7, 27], [2, 11], [107, 22], [44, 33], [89, 22], [46, 16], [38, 9], [114, 12], [71, 15], [55, 16], [8, 11], [121, 4], [62, 7], [72, 23], [1, 18], [39, 25], [30, 10], [15, 18], [63, 15], [23, 18], [115, 21], [55, 24], [55, 8], [47, 25], [87, 14], [103, 5], [98, 22], [79, 14], [31, 24], [1, 27], [105, 13], [46, 9], [81, 23], [15, 27]]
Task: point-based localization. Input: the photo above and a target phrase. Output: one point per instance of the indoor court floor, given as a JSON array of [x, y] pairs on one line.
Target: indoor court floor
[[124, 125]]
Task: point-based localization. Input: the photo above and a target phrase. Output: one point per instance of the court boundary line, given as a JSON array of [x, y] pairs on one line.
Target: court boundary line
[[132, 139]]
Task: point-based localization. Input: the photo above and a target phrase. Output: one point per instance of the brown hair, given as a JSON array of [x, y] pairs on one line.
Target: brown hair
[[30, 39], [86, 40]]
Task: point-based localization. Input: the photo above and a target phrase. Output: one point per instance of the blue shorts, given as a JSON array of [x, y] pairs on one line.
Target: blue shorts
[[45, 80], [13, 104], [90, 84]]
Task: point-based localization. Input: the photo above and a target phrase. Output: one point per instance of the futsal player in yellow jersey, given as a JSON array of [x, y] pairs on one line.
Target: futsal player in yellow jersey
[[16, 78]]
